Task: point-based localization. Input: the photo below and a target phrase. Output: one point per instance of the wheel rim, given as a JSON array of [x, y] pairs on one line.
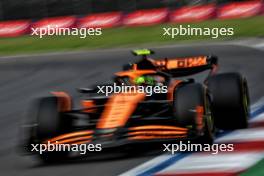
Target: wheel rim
[[245, 98], [209, 122]]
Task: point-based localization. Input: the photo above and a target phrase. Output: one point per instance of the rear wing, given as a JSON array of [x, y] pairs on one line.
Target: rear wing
[[181, 66]]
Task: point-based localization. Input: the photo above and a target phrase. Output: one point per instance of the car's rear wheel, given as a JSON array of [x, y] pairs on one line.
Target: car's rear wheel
[[191, 109], [230, 100], [50, 123]]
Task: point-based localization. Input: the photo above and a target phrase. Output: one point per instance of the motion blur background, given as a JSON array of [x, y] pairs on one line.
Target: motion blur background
[[125, 23], [36, 9]]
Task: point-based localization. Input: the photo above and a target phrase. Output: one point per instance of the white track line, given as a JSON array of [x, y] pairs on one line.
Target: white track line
[[238, 135], [146, 166], [207, 163]]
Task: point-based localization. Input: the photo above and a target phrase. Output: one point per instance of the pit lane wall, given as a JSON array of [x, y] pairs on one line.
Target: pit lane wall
[[137, 18]]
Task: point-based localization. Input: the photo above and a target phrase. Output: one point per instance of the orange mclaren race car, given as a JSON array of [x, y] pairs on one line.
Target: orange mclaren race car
[[178, 108]]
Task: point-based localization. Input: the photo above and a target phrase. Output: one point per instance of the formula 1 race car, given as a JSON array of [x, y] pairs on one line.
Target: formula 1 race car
[[186, 109]]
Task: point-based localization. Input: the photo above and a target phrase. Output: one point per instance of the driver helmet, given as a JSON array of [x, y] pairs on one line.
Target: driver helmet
[[149, 80]]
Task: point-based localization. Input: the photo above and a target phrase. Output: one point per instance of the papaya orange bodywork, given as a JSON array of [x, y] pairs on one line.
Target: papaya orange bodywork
[[154, 132], [142, 137], [157, 127], [171, 89], [88, 104], [199, 117], [182, 62], [64, 101], [72, 140], [132, 74], [71, 135], [118, 109]]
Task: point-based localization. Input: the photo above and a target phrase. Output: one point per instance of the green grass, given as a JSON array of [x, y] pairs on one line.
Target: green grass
[[124, 37], [257, 170]]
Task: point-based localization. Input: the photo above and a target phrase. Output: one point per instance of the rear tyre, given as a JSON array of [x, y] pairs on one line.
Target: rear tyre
[[51, 123], [230, 100], [188, 100]]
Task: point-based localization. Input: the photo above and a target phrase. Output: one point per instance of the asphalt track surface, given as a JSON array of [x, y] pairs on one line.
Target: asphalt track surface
[[24, 78]]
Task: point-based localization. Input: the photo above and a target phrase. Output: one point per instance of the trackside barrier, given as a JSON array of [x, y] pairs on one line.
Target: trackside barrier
[[102, 20], [136, 18], [193, 13], [14, 28], [240, 10], [55, 22], [146, 17]]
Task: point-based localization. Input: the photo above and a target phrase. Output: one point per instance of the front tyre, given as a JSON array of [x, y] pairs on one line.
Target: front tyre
[[50, 123]]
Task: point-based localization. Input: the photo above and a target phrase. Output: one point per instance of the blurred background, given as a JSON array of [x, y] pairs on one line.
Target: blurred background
[[125, 23], [36, 9], [13, 9]]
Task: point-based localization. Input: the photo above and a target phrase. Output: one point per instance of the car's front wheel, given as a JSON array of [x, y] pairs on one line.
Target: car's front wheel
[[50, 123]]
